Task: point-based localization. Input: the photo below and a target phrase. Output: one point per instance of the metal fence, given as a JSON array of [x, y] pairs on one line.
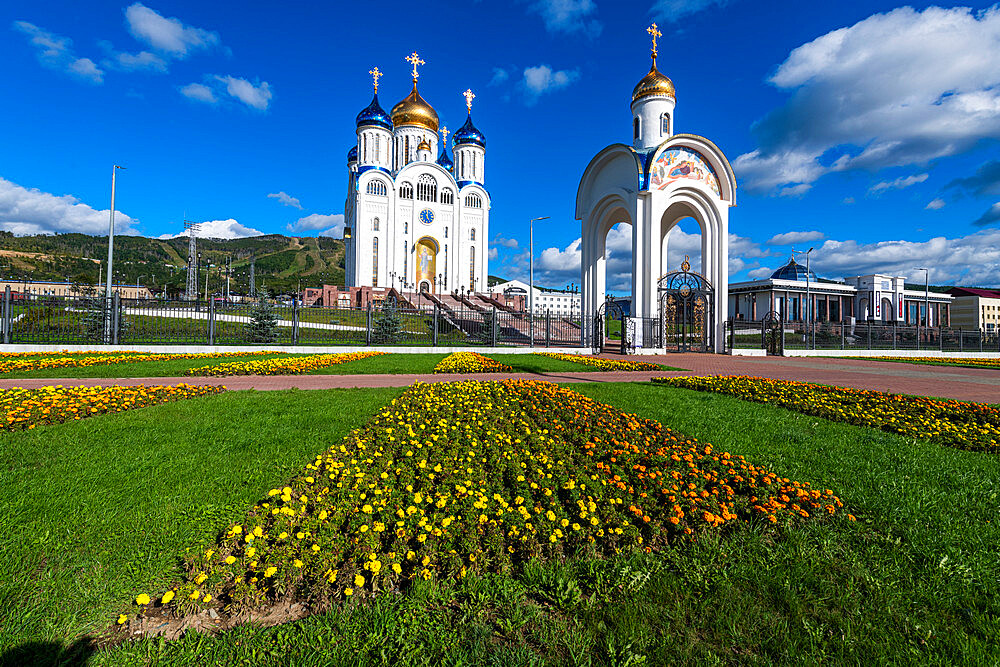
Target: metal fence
[[859, 336], [81, 320]]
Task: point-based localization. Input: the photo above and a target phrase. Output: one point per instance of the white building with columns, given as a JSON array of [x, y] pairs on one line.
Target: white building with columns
[[415, 219], [662, 178]]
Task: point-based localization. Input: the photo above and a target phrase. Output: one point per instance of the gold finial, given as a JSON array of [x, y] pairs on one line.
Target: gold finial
[[415, 60], [654, 32], [444, 134], [375, 76], [469, 96], [685, 265]]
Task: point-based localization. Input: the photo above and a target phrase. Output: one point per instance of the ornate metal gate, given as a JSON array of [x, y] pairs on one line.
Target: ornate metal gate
[[686, 311], [772, 333], [609, 310]]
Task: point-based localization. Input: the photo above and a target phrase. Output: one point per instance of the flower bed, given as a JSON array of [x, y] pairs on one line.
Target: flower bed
[[604, 364], [940, 361], [974, 426], [470, 362], [27, 408], [13, 364], [479, 476], [289, 366]]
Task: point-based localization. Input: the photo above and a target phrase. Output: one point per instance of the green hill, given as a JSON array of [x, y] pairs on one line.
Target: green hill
[[282, 263]]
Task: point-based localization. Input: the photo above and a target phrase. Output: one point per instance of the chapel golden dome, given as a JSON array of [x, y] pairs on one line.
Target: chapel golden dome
[[414, 110], [423, 145], [654, 83]]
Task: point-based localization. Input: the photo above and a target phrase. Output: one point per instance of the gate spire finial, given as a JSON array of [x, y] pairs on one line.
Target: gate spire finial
[[685, 265]]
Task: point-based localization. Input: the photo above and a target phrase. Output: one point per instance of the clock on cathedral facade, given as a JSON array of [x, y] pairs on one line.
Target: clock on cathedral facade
[[397, 176]]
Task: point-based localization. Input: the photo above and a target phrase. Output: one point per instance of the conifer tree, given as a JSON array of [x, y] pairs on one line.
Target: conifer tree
[[263, 324]]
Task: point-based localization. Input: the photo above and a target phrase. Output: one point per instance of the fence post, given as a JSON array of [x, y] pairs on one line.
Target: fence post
[[368, 324], [494, 326], [7, 319], [980, 340], [918, 335], [295, 321], [115, 317], [869, 335], [961, 340], [434, 339], [211, 322], [843, 336], [940, 338], [548, 327]]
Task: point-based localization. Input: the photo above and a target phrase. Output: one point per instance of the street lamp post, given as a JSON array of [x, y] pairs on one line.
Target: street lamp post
[[531, 278], [111, 256]]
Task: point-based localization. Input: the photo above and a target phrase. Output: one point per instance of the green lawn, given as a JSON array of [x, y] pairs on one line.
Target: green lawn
[[99, 510], [95, 515]]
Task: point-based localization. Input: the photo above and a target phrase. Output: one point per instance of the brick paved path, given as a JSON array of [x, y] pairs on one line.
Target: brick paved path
[[968, 384]]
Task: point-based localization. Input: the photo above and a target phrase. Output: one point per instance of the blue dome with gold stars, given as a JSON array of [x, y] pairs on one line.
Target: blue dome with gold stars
[[374, 114], [352, 155], [444, 160], [469, 134]]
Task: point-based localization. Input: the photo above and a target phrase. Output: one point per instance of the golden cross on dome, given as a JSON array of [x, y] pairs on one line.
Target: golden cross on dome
[[469, 96], [654, 32], [445, 133], [415, 60], [375, 75]]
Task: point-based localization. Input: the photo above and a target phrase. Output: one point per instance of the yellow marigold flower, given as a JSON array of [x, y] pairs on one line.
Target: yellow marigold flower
[[359, 580], [348, 591], [142, 599], [297, 563], [167, 597], [230, 560], [396, 568], [269, 572], [207, 598], [195, 595]]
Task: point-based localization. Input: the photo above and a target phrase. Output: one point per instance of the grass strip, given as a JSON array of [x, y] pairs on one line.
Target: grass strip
[[23, 364], [28, 408], [281, 366], [960, 424], [470, 362]]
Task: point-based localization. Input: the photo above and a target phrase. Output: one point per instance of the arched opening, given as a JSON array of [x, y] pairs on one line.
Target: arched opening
[[886, 310], [426, 250]]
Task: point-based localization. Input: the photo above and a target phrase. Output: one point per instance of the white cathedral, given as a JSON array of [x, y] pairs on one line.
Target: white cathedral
[[414, 219]]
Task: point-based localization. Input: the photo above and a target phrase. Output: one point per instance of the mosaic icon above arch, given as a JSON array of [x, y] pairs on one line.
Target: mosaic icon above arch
[[677, 164]]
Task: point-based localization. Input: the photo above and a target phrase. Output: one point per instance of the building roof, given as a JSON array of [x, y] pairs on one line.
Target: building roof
[[793, 271], [975, 291]]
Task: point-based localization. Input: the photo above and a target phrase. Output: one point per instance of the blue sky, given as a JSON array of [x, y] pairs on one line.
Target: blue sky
[[868, 130]]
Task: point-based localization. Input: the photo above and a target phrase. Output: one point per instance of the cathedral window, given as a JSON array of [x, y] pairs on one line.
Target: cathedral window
[[376, 187], [406, 150], [473, 166], [375, 262], [374, 224], [446, 196], [378, 148], [473, 201], [472, 268], [406, 227], [635, 128], [665, 124], [472, 234], [406, 191], [426, 188], [446, 232]]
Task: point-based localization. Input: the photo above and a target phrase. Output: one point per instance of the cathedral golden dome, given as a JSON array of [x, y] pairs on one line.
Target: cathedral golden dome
[[414, 110], [654, 83], [423, 146]]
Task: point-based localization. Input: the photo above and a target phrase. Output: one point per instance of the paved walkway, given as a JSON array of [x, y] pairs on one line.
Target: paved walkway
[[967, 384]]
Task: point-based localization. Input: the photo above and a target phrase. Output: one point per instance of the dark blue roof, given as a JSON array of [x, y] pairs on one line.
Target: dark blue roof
[[352, 155], [444, 160], [793, 271], [374, 114], [468, 134]]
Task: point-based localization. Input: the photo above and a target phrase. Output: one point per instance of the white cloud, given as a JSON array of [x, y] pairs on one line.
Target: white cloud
[[792, 238], [256, 96], [569, 16], [898, 184], [167, 35], [286, 199], [499, 76], [795, 190], [132, 62], [895, 89], [329, 225], [990, 216], [985, 182], [493, 253], [849, 200], [972, 259], [760, 272], [543, 79], [219, 229], [56, 52], [935, 204], [26, 211], [199, 92], [673, 10], [504, 242]]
